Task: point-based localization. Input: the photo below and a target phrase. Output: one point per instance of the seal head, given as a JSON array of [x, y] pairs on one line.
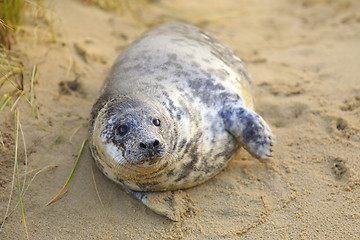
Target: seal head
[[129, 138], [135, 128]]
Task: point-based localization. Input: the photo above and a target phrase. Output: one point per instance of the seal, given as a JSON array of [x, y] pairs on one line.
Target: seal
[[173, 110]]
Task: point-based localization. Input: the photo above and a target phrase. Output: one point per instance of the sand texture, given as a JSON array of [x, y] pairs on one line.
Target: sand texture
[[304, 60]]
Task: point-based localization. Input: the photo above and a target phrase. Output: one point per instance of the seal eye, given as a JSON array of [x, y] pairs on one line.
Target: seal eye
[[122, 129], [156, 122]]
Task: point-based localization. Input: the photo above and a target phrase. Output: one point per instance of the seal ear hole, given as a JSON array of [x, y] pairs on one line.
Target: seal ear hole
[[122, 129], [156, 122]]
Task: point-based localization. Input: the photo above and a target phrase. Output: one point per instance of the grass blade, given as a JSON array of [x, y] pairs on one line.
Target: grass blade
[[11, 192], [4, 101], [33, 76], [6, 76], [95, 185], [13, 84], [71, 174], [26, 159], [17, 124]]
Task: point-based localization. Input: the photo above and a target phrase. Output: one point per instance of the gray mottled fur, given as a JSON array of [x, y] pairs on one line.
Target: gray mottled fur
[[199, 91]]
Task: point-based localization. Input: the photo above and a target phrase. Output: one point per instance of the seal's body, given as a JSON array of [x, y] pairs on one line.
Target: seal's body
[[173, 110]]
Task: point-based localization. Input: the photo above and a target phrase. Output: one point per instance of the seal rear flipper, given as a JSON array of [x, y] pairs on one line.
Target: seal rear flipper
[[249, 129], [171, 204]]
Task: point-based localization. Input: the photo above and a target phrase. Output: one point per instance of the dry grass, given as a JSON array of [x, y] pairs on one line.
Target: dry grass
[[15, 83], [70, 176], [11, 77], [10, 14], [17, 93], [17, 127]]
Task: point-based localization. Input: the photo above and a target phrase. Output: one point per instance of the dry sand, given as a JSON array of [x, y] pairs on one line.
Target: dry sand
[[303, 57]]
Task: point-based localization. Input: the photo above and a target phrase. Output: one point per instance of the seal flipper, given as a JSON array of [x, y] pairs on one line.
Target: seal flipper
[[171, 204], [250, 130]]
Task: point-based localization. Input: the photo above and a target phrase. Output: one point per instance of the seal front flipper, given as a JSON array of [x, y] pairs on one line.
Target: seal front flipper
[[171, 204], [249, 129]]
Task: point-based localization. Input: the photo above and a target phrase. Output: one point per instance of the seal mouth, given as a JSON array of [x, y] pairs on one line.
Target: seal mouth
[[150, 156], [148, 161], [146, 151], [153, 154]]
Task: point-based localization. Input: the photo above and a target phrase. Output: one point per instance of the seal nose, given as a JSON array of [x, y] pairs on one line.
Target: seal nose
[[150, 146]]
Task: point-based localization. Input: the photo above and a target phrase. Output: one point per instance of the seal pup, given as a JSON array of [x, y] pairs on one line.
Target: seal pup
[[173, 110]]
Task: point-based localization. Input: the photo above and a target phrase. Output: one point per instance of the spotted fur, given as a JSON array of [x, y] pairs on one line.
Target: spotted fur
[[197, 88]]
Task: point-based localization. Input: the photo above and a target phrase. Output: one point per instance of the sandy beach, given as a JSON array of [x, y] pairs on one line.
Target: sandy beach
[[303, 57]]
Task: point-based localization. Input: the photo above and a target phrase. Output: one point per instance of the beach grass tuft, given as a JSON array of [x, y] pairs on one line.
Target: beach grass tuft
[[11, 12], [12, 73]]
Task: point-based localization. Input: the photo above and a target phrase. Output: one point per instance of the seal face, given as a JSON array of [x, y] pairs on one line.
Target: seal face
[[173, 110], [136, 130]]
